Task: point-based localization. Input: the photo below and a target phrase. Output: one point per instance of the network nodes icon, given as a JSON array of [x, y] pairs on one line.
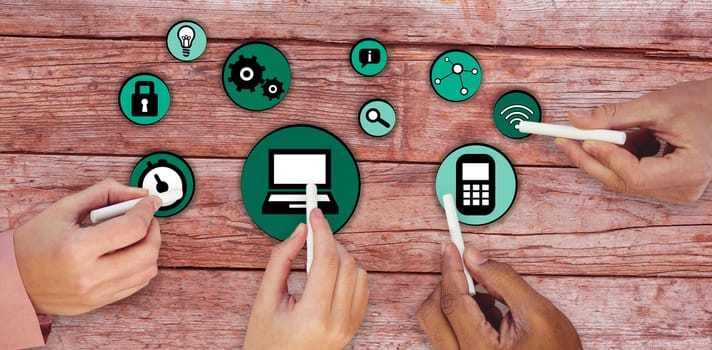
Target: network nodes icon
[[511, 109], [455, 75]]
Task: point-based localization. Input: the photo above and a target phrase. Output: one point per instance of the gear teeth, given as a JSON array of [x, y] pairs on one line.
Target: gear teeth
[[279, 88], [239, 65]]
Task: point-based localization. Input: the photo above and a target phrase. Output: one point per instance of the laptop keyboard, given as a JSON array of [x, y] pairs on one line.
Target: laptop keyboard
[[282, 197]]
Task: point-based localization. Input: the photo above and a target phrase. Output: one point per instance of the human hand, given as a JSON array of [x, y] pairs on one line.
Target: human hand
[[69, 270], [331, 308], [453, 319], [680, 115]]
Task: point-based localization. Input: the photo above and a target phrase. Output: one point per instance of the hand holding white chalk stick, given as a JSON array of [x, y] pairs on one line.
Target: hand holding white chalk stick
[[570, 132], [311, 205], [99, 215], [456, 236]]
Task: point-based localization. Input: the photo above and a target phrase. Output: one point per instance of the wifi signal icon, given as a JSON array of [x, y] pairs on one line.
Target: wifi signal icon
[[517, 113], [513, 108]]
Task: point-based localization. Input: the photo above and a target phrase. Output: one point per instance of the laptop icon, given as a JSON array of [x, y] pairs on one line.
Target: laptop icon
[[290, 171]]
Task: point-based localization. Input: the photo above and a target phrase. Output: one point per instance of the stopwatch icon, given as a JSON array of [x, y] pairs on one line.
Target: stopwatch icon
[[162, 172]]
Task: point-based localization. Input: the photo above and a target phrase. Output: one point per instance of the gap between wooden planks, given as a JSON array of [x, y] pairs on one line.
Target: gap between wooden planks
[[62, 94], [665, 28], [210, 309], [562, 222]]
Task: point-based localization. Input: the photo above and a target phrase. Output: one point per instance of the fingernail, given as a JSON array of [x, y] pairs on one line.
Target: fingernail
[[559, 141], [318, 213], [476, 256], [294, 233], [588, 148], [582, 114], [157, 202]]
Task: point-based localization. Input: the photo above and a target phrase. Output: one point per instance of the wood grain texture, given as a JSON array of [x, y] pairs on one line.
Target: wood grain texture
[[196, 309], [664, 28], [62, 94], [398, 224]]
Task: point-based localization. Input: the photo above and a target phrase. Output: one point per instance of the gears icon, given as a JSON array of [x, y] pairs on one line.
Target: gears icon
[[272, 88], [246, 73], [256, 76]]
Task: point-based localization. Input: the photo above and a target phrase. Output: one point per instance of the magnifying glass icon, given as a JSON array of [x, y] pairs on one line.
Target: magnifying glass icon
[[374, 116]]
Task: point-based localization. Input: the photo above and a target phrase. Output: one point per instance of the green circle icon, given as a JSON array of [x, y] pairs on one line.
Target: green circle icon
[[455, 75], [377, 118], [144, 99], [368, 57], [186, 41], [162, 172], [279, 167], [256, 76], [481, 180], [511, 109]]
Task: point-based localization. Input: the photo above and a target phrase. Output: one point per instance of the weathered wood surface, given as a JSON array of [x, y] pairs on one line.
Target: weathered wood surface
[[654, 27], [72, 86], [595, 253], [398, 224], [191, 309]]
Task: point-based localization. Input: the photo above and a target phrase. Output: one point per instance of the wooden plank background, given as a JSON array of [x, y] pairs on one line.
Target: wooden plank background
[[630, 272]]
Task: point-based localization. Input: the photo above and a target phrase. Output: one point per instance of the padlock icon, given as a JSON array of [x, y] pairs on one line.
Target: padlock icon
[[144, 101]]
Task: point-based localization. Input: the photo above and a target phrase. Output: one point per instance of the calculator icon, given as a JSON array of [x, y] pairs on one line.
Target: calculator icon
[[475, 184]]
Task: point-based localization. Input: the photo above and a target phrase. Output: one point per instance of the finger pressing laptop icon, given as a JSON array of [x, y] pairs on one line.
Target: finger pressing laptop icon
[[290, 171]]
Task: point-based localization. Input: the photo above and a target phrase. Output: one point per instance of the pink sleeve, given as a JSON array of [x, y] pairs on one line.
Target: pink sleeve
[[19, 325]]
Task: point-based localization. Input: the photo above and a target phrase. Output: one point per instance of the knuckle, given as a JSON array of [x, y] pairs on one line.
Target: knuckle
[[330, 261], [449, 303], [349, 263], [608, 110]]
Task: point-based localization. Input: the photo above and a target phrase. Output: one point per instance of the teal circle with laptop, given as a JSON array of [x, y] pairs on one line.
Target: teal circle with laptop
[[279, 167], [481, 180]]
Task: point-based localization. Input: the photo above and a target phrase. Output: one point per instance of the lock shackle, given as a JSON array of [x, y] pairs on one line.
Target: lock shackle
[[139, 84]]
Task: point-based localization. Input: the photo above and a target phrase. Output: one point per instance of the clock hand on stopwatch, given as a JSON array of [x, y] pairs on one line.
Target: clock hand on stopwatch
[[161, 186]]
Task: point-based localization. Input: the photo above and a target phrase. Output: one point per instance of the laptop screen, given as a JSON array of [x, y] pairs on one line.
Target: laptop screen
[[296, 168]]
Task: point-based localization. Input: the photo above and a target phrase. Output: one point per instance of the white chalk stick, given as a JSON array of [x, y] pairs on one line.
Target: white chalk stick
[[311, 205], [98, 215], [569, 132], [456, 236]]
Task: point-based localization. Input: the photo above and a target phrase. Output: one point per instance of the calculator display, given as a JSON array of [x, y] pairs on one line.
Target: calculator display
[[475, 184]]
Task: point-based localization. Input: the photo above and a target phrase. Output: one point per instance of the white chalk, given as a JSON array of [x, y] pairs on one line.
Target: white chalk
[[456, 236], [114, 210], [311, 205], [569, 132]]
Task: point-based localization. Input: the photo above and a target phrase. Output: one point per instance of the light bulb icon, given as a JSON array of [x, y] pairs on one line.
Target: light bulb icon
[[186, 35]]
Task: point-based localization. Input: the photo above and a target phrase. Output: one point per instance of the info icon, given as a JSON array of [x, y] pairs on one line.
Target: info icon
[[144, 99], [368, 57], [163, 172]]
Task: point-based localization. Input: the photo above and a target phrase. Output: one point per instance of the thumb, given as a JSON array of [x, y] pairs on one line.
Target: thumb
[[502, 282], [274, 282], [643, 112]]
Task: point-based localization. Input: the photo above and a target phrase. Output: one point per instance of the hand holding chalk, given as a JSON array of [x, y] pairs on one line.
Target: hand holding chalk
[[311, 204], [456, 236], [569, 132], [98, 215]]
